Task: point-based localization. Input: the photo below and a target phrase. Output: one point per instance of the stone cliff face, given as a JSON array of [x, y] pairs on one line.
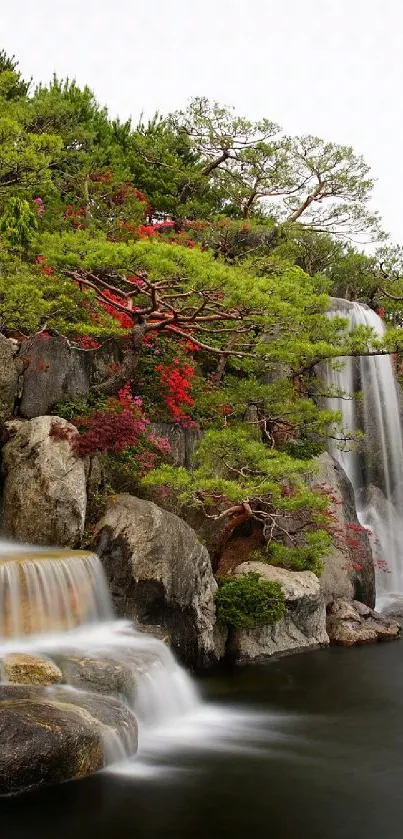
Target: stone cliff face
[[160, 575], [56, 372], [349, 566], [44, 492]]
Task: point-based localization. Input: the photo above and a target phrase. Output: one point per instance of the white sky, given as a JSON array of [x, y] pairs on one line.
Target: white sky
[[328, 67]]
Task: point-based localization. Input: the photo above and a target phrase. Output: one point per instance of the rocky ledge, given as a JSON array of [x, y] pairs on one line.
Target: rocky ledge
[[350, 624], [303, 625]]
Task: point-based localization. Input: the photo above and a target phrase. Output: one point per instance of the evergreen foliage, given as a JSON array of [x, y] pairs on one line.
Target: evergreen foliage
[[247, 602], [207, 244]]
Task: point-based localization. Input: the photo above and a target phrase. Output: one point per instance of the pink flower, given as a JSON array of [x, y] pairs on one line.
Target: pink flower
[[39, 206]]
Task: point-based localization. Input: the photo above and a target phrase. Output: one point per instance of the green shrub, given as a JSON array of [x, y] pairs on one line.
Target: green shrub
[[304, 558], [304, 449], [249, 601], [79, 407]]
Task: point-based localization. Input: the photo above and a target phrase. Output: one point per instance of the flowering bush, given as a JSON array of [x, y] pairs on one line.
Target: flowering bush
[[176, 384], [117, 427]]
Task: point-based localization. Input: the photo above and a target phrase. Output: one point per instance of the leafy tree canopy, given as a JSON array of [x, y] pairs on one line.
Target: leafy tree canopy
[[208, 245]]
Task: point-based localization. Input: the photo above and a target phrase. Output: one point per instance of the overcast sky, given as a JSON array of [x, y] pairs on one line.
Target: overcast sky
[[328, 67]]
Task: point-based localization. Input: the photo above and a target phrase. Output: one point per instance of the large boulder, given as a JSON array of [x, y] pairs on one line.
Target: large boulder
[[352, 624], [303, 625], [57, 372], [160, 575], [51, 735], [9, 375], [348, 566], [44, 497]]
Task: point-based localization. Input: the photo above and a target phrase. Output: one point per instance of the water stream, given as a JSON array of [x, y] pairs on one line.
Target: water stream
[[57, 603], [227, 757], [323, 762], [368, 400]]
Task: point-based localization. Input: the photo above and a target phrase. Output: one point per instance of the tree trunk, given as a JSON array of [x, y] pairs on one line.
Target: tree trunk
[[226, 534], [305, 205], [222, 363], [214, 164], [247, 205]]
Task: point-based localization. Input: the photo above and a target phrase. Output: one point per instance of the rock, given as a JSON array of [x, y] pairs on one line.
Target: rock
[[117, 672], [56, 372], [159, 574], [348, 568], [30, 670], [393, 608], [9, 375], [44, 497], [302, 627], [363, 610], [103, 674], [51, 735], [351, 624], [183, 441]]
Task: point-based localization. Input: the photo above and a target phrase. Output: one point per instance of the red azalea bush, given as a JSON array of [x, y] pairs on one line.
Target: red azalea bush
[[176, 383], [118, 428]]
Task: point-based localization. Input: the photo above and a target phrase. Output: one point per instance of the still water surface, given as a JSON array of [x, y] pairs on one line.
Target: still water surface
[[308, 747]]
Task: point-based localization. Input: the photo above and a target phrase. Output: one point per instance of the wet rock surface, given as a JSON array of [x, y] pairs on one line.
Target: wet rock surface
[[350, 624], [100, 674], [51, 735], [25, 669]]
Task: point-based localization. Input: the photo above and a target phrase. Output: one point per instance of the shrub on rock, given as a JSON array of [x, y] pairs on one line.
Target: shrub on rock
[[249, 601]]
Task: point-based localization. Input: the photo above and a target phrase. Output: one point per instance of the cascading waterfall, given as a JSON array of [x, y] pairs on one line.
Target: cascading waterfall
[[55, 602], [375, 467], [42, 592]]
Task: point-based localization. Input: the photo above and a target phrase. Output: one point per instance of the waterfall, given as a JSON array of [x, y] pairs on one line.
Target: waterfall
[[374, 466], [57, 602], [49, 590]]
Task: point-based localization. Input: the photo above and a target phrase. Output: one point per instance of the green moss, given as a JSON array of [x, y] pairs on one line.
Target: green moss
[[249, 601]]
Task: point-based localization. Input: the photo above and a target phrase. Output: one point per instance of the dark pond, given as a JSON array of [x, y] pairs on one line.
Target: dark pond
[[324, 761]]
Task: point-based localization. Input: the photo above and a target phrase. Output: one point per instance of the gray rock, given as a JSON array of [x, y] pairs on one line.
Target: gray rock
[[51, 735], [393, 608], [9, 375], [302, 627], [44, 498], [100, 674], [56, 372], [183, 441], [352, 624], [159, 574], [348, 571]]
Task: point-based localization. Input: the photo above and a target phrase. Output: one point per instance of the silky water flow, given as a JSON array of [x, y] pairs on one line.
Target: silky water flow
[[367, 395], [57, 603]]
